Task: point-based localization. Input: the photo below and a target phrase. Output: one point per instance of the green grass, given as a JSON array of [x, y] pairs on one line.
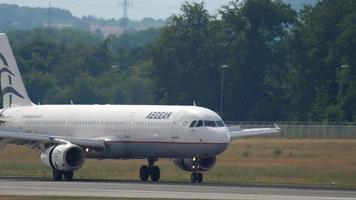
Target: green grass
[[299, 161]]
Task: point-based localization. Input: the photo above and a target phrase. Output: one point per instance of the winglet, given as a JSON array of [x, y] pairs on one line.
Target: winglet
[[276, 126], [253, 132]]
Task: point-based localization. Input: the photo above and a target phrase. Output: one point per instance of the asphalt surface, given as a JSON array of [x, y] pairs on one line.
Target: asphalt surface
[[101, 188]]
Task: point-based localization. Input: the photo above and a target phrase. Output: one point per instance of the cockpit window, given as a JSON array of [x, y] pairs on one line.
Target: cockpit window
[[209, 123], [220, 123], [206, 123], [199, 124], [193, 124]]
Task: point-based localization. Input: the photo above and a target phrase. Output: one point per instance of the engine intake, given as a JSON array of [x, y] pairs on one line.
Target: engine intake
[[64, 157], [200, 164]]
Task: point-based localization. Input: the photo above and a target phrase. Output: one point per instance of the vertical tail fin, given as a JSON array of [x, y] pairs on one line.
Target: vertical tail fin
[[13, 90]]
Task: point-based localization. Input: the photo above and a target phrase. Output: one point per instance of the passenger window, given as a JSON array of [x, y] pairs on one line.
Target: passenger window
[[220, 123], [193, 124], [199, 124], [209, 123]]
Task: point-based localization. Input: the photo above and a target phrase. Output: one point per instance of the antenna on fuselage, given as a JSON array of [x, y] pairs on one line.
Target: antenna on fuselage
[[71, 102], [194, 103]]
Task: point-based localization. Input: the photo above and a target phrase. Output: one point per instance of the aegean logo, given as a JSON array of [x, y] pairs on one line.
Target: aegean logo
[[159, 115], [8, 89], [2, 57]]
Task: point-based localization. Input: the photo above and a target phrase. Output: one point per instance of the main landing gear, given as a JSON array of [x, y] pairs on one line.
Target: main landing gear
[[150, 171], [59, 175]]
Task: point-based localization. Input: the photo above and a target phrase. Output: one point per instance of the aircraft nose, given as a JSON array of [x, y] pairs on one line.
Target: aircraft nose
[[224, 139]]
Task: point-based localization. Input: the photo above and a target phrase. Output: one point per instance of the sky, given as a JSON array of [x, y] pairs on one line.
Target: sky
[[138, 9]]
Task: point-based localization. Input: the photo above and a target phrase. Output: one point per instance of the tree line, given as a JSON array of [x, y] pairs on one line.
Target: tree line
[[279, 64], [17, 17]]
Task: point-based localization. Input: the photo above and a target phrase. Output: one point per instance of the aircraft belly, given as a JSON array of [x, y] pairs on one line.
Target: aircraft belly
[[162, 150]]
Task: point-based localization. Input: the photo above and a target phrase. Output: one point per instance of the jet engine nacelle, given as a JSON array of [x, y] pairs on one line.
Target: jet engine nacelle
[[195, 164], [63, 157]]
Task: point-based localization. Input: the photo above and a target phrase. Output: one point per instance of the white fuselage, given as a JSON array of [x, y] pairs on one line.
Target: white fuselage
[[130, 131]]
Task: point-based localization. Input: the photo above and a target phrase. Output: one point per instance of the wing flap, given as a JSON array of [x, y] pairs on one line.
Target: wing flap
[[19, 134]]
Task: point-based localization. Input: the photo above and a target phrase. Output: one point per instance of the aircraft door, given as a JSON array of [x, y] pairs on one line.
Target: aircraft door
[[129, 126], [70, 126], [176, 125]]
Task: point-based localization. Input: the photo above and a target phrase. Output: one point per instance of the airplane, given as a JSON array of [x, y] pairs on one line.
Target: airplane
[[67, 135]]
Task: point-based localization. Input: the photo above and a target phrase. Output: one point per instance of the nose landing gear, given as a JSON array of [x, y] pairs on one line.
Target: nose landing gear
[[196, 176], [150, 171]]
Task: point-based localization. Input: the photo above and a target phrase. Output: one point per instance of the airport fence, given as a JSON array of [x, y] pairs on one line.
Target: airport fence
[[304, 129]]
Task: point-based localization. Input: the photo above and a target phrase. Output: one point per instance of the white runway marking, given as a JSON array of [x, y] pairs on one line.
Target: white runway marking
[[178, 191]]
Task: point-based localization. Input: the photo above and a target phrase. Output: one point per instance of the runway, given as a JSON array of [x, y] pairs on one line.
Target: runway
[[133, 189]]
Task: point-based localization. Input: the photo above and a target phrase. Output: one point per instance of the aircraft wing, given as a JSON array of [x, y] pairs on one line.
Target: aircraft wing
[[20, 134], [237, 132]]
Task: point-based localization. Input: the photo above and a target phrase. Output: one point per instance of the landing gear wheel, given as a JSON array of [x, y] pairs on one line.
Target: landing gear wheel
[[193, 177], [150, 171], [57, 175], [144, 173], [68, 175], [155, 173], [199, 177], [196, 177]]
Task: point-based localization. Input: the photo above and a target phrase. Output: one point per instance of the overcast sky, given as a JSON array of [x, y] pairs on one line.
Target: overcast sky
[[158, 9]]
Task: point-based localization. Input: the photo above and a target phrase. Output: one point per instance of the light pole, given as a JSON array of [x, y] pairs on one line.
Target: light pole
[[341, 76], [222, 88]]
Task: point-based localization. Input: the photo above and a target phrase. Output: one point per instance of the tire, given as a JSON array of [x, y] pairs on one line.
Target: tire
[[155, 173], [199, 177], [68, 175], [144, 173], [57, 175], [193, 177]]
